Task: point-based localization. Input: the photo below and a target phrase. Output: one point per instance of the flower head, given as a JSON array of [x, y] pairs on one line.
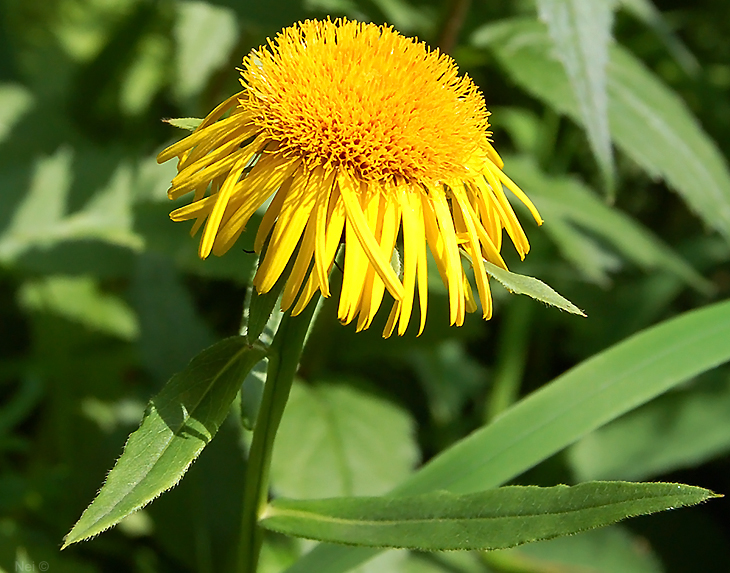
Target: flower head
[[360, 136]]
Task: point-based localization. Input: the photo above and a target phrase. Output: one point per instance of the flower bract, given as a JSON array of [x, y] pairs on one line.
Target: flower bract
[[361, 137]]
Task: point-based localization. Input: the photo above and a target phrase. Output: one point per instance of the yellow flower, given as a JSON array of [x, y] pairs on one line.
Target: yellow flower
[[358, 136]]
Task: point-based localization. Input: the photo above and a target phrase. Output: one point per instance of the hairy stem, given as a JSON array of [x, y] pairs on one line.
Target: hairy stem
[[286, 348]]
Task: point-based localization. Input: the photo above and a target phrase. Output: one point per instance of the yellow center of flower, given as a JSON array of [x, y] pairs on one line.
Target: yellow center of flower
[[364, 99]]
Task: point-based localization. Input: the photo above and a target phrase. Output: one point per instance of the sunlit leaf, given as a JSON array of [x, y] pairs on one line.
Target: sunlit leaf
[[205, 35], [188, 123], [146, 75], [681, 429], [41, 220], [532, 287], [15, 101], [331, 439], [580, 31], [43, 206], [586, 397], [80, 299], [648, 121], [487, 520], [179, 423]]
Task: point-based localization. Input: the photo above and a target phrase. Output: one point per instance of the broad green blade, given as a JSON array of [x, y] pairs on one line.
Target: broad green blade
[[205, 35], [647, 12], [586, 397], [178, 424], [330, 443], [648, 121], [682, 429], [580, 31], [487, 520]]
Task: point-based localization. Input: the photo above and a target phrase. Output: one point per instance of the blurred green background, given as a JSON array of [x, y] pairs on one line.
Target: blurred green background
[[102, 298]]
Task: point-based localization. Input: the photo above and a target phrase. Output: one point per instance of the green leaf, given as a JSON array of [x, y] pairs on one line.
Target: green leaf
[[330, 443], [569, 206], [80, 299], [188, 123], [580, 31], [261, 318], [586, 397], [647, 12], [205, 35], [171, 329], [648, 121], [532, 287], [178, 424], [681, 429], [41, 220], [146, 74], [487, 520], [15, 102], [42, 207], [261, 315]]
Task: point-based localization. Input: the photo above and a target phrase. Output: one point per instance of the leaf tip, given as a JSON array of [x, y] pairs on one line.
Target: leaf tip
[[188, 123]]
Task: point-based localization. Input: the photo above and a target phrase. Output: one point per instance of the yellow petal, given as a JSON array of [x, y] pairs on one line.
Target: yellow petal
[[294, 213], [365, 237], [452, 260], [301, 264], [474, 248]]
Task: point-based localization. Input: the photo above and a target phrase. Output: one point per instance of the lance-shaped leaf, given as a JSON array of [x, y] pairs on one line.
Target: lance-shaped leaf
[[648, 121], [492, 519], [586, 397], [646, 12], [178, 424], [187, 123], [580, 31], [532, 287]]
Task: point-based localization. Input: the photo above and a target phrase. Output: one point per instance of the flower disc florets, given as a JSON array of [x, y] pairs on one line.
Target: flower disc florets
[[365, 99], [357, 135]]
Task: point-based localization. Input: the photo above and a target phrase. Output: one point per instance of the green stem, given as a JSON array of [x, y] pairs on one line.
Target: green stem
[[284, 354]]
